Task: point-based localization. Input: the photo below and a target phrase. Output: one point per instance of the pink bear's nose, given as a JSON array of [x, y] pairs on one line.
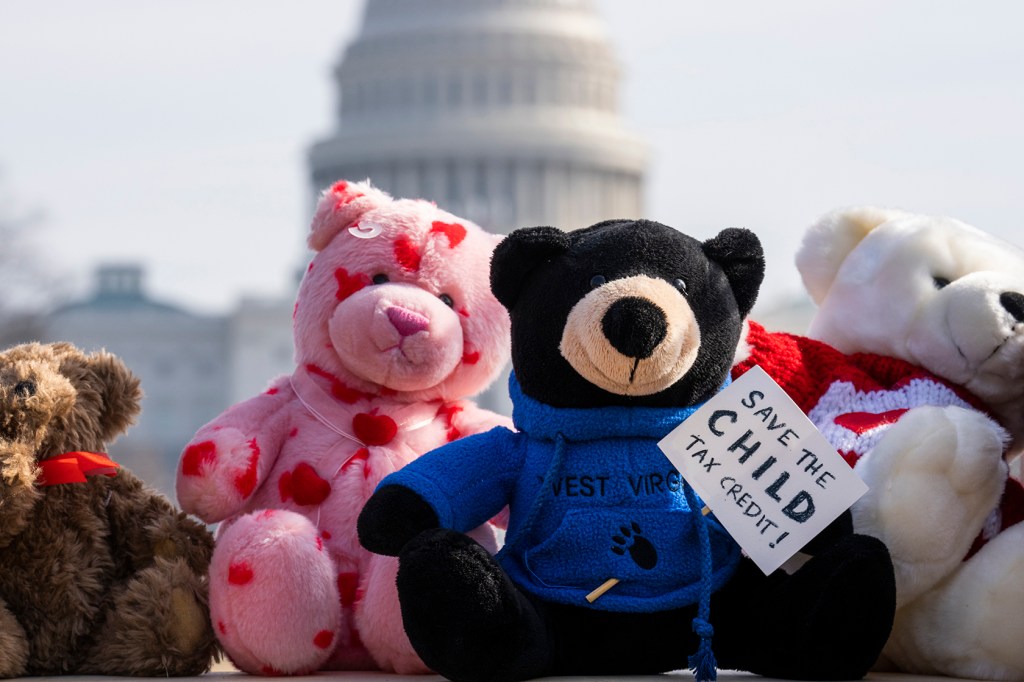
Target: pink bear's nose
[[406, 321]]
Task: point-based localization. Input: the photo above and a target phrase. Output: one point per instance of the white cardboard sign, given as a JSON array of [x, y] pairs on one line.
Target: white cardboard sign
[[762, 467]]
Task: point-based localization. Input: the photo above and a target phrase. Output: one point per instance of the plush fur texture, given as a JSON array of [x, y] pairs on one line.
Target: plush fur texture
[[588, 310], [102, 577], [941, 294], [541, 261], [394, 327]]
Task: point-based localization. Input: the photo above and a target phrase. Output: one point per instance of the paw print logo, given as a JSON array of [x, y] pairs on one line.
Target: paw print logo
[[630, 539]]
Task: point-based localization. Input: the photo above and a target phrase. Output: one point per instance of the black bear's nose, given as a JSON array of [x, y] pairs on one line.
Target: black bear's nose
[[634, 326], [1014, 303]]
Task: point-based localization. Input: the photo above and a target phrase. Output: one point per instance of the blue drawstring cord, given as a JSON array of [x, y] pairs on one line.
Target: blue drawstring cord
[[546, 484], [702, 663]]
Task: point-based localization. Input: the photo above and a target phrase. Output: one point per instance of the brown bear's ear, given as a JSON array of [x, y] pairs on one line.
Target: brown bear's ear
[[340, 206], [518, 254], [105, 377], [739, 253]]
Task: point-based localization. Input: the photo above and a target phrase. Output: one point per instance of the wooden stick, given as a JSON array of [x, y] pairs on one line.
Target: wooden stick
[[612, 582], [605, 586]]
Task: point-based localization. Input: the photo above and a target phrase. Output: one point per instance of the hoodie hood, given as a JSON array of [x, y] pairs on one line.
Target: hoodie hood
[[544, 422]]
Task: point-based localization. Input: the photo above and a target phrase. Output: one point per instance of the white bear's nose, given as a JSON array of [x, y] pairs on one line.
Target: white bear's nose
[[1014, 304], [406, 321]]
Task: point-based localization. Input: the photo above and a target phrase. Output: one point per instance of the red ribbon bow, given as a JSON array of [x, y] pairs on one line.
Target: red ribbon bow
[[73, 467]]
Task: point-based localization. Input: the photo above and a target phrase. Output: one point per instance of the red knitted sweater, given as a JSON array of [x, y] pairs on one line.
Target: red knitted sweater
[[854, 399]]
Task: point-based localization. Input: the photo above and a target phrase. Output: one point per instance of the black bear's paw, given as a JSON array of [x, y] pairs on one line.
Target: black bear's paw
[[391, 517], [463, 615], [834, 615]]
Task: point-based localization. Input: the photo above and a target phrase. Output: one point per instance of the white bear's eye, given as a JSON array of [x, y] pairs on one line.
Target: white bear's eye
[[940, 282]]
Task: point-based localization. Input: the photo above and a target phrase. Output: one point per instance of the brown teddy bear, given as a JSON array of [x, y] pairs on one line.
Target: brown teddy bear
[[98, 574]]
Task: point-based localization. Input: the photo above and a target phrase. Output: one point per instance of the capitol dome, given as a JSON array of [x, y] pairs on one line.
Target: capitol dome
[[505, 111]]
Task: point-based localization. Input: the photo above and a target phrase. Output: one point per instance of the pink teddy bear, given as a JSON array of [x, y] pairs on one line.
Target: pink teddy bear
[[395, 325]]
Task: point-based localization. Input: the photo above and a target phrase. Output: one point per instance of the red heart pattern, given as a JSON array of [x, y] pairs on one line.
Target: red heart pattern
[[374, 429], [240, 573], [454, 231], [342, 193], [862, 422], [196, 455], [304, 485], [407, 254], [349, 284], [245, 482]]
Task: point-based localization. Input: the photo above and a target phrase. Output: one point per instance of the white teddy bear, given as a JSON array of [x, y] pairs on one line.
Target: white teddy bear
[[943, 295]]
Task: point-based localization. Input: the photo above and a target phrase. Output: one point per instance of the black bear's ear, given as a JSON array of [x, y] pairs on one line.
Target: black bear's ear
[[739, 253], [518, 254]]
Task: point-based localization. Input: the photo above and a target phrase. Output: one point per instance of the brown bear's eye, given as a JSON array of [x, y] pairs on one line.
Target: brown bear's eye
[[597, 280], [25, 389], [380, 278], [680, 284]]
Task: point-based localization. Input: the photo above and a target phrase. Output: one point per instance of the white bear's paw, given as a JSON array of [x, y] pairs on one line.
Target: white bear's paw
[[970, 625], [933, 478]]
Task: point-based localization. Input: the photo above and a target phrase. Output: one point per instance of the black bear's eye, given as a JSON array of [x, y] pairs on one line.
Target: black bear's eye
[[25, 389], [447, 300], [940, 282], [680, 284], [597, 280], [380, 278]]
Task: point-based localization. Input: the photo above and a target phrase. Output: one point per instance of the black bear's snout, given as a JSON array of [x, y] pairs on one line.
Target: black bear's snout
[[634, 326]]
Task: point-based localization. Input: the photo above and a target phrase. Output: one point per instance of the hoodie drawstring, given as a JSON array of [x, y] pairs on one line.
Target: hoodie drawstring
[[702, 663], [547, 484]]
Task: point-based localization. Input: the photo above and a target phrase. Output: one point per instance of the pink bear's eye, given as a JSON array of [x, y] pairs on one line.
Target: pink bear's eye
[[447, 300], [380, 278]]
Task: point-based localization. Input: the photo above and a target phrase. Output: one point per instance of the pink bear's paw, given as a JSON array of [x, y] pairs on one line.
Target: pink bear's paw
[[218, 473], [378, 619], [274, 594], [378, 616]]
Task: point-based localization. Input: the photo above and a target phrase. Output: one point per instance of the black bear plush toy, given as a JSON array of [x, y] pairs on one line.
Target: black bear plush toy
[[619, 332]]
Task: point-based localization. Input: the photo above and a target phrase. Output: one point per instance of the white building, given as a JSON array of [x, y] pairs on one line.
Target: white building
[[504, 111], [260, 345], [181, 358]]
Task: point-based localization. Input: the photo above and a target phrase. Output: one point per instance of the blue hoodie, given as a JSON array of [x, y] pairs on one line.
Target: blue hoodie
[[590, 496]]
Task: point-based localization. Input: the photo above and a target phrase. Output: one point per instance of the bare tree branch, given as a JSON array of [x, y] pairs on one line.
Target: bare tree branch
[[27, 290]]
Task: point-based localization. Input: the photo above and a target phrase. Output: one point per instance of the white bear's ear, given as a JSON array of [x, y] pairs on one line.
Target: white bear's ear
[[829, 241], [340, 206]]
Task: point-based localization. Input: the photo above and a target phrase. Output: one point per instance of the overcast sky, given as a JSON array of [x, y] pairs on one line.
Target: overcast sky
[[173, 133]]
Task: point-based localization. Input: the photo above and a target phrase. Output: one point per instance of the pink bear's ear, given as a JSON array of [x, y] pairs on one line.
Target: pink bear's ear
[[340, 206]]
